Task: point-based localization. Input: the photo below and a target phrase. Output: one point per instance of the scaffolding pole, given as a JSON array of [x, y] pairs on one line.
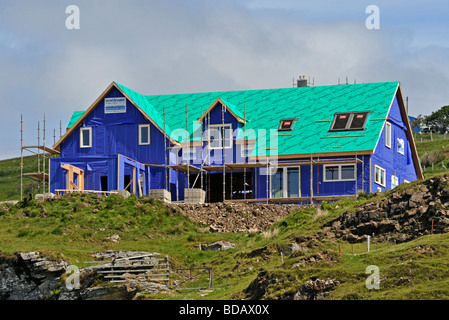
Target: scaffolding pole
[[188, 155], [43, 155], [165, 154], [245, 149], [311, 179], [201, 165], [355, 171], [267, 179], [21, 157], [208, 154], [223, 152]]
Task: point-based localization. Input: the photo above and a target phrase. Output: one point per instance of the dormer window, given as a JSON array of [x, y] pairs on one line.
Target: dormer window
[[349, 121], [286, 124]]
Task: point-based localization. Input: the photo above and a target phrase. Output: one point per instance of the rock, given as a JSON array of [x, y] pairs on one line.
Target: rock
[[43, 196], [290, 249], [316, 289], [123, 193], [29, 276], [216, 246], [114, 238], [235, 217]]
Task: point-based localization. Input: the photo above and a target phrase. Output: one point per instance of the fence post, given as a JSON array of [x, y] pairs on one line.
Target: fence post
[[367, 243]]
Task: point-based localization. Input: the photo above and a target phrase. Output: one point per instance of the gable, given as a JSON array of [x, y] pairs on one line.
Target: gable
[[114, 90]]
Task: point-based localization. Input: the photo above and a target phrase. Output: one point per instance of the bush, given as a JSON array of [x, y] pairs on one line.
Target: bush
[[431, 158]]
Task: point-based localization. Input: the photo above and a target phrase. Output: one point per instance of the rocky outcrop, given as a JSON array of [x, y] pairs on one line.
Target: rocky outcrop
[[37, 276], [30, 276], [235, 217], [216, 246], [316, 289], [402, 216]]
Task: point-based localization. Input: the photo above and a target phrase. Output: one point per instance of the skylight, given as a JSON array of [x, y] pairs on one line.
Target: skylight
[[349, 121], [286, 124]]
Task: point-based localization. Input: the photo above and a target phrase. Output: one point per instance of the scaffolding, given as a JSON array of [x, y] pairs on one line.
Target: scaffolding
[[43, 152], [268, 163]]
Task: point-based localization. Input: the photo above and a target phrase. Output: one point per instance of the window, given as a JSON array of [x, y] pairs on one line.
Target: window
[[394, 181], [286, 124], [285, 183], [400, 146], [216, 134], [379, 175], [349, 121], [144, 134], [342, 172], [388, 134], [86, 137]]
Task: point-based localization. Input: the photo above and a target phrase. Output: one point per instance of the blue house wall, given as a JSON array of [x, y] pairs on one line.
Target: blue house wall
[[112, 134], [395, 163]]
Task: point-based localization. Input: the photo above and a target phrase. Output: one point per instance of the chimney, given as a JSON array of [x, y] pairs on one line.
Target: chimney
[[301, 82]]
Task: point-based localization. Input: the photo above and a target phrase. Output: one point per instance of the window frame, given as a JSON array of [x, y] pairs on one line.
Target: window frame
[[82, 129], [339, 172], [218, 126], [388, 129], [349, 121], [292, 120], [148, 126], [285, 182], [384, 174]]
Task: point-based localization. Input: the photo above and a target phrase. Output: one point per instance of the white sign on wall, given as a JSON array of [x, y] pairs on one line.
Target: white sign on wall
[[114, 105]]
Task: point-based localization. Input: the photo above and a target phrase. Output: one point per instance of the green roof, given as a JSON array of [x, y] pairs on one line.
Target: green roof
[[313, 106]]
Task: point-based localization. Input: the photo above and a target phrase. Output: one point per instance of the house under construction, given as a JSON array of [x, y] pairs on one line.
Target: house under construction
[[294, 145]]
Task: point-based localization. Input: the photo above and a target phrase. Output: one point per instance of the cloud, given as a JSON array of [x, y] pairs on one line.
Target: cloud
[[157, 47]]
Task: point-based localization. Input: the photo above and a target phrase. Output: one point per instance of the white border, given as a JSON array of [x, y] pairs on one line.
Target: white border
[[339, 172], [140, 134], [81, 137], [385, 175]]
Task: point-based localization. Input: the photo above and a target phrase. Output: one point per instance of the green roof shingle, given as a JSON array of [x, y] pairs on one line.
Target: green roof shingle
[[313, 106]]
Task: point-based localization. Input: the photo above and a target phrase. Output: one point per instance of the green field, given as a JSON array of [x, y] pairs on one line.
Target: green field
[[80, 224]]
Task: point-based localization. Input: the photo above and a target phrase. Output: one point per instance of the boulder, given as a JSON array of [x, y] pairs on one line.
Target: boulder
[[216, 246], [316, 289]]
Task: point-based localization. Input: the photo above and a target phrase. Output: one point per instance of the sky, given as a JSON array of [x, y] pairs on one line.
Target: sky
[[181, 46]]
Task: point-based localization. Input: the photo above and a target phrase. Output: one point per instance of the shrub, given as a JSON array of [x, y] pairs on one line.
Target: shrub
[[431, 158]]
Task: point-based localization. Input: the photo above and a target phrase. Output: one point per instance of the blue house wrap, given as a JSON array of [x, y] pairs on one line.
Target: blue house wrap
[[292, 145]]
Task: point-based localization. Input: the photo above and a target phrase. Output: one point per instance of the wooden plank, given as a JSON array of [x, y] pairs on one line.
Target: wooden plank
[[348, 136], [36, 175]]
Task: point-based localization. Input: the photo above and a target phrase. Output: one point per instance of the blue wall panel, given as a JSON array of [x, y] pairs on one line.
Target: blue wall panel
[[389, 158], [116, 133]]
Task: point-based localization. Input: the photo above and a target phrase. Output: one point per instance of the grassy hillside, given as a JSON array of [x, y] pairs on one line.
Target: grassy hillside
[[10, 177], [78, 225]]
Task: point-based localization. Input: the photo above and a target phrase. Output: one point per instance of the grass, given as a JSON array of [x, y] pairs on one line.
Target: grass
[[79, 224], [426, 143]]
